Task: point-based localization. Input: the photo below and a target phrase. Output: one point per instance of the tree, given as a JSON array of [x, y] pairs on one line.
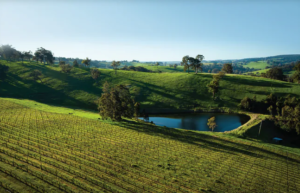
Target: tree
[[271, 101], [275, 73], [36, 75], [296, 75], [22, 55], [185, 63], [95, 74], [86, 62], [75, 63], [297, 66], [212, 123], [175, 66], [215, 70], [137, 110], [288, 117], [198, 63], [157, 64], [115, 65], [213, 87], [115, 103], [3, 71], [28, 55], [43, 55], [7, 52], [66, 68], [227, 68], [247, 103]]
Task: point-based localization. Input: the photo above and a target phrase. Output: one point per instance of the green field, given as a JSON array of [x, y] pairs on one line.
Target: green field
[[288, 72], [257, 65], [50, 152], [153, 90]]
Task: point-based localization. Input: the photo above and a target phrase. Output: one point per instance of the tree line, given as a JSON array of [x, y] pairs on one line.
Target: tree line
[[285, 111]]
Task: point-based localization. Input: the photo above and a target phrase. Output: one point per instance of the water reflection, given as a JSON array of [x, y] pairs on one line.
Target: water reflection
[[198, 121]]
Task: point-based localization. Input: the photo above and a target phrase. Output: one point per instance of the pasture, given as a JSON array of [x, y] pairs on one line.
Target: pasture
[[153, 90], [257, 65], [49, 152]]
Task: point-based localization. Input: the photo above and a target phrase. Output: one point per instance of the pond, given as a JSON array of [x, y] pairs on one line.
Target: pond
[[198, 121]]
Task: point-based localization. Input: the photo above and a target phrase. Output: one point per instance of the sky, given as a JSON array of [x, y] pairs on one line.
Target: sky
[[152, 30]]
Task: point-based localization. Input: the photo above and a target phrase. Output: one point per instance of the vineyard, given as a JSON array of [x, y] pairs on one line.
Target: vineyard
[[49, 152]]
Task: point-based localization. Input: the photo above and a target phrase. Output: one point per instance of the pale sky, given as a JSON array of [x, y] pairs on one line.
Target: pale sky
[[153, 30]]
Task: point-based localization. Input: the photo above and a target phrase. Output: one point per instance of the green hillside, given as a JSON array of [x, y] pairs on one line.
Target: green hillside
[[153, 90], [50, 152], [257, 65]]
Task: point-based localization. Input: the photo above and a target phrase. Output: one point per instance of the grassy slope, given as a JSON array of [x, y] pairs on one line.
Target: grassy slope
[[130, 156], [265, 70], [154, 90], [257, 65]]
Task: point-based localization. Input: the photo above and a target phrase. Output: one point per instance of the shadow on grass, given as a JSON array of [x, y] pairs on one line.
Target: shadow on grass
[[211, 142]]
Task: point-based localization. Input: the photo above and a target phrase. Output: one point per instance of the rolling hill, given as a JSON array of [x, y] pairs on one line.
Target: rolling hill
[[153, 90]]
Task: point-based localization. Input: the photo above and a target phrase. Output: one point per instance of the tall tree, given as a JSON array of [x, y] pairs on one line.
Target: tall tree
[[227, 68], [66, 68], [36, 75], [7, 52], [213, 87], [86, 62], [95, 73], [275, 73], [43, 55], [137, 110], [198, 63], [185, 63], [28, 55], [212, 123], [116, 103], [115, 65], [75, 63], [296, 76], [22, 55]]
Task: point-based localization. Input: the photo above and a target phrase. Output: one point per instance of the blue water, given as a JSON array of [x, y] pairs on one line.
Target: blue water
[[198, 121]]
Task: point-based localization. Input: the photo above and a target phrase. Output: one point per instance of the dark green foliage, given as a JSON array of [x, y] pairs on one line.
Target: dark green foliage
[[28, 55], [213, 86], [8, 52], [66, 68], [137, 109], [115, 65], [137, 68], [185, 64], [75, 64], [43, 55], [271, 102], [246, 103], [297, 66], [274, 73], [3, 71], [95, 73], [296, 76], [36, 75], [86, 62], [115, 103], [249, 104], [227, 68], [195, 63], [288, 117]]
